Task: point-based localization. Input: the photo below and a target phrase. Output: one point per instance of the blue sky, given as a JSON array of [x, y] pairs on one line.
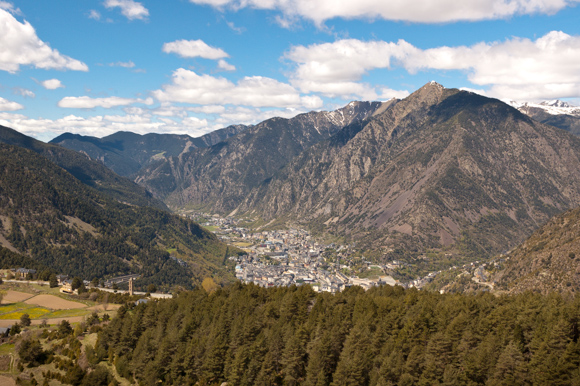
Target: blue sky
[[193, 66]]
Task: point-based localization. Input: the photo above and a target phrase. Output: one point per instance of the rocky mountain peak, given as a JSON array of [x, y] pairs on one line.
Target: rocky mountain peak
[[430, 93], [556, 103]]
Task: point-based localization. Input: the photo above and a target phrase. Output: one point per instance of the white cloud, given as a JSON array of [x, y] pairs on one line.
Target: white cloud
[[232, 26], [6, 105], [19, 45], [222, 64], [517, 68], [248, 116], [130, 9], [256, 91], [194, 48], [85, 102], [51, 84], [128, 64], [334, 69], [94, 14], [145, 120], [135, 118], [422, 11], [208, 109], [7, 6], [26, 93]]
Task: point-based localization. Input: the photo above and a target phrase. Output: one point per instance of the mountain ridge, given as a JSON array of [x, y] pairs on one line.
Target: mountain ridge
[[221, 175], [556, 113], [89, 172], [382, 181], [126, 153]]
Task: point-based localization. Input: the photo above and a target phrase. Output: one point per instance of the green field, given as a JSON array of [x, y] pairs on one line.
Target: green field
[[6, 349], [211, 228], [34, 312]]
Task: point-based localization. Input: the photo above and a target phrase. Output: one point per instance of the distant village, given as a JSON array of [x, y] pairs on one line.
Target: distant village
[[293, 256]]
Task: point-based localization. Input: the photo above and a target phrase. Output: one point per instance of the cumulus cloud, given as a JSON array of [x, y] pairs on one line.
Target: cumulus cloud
[[194, 48], [6, 105], [85, 102], [517, 68], [421, 11], [165, 119], [256, 91], [223, 65], [19, 46], [51, 84], [334, 69], [208, 109], [130, 9]]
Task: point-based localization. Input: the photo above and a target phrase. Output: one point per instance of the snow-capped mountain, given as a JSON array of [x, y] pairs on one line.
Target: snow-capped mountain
[[556, 113], [553, 107]]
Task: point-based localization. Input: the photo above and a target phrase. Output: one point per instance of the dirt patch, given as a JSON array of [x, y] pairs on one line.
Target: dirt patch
[[36, 322], [6, 381], [6, 244], [405, 228], [15, 297], [445, 238], [99, 307], [5, 362], [6, 223], [54, 302], [453, 227], [77, 222]]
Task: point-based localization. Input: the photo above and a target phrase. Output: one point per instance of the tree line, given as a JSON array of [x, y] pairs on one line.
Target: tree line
[[247, 335]]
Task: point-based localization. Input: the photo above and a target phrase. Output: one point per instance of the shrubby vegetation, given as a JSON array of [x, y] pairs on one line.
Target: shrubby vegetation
[[247, 335], [60, 348]]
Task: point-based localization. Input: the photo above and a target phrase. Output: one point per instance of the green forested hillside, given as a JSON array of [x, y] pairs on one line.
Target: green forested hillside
[[91, 173], [53, 218], [247, 335]]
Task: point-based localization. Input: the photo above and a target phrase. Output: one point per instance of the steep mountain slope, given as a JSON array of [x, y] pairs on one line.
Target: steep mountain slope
[[556, 113], [88, 172], [53, 218], [547, 261], [441, 168], [220, 177], [125, 153]]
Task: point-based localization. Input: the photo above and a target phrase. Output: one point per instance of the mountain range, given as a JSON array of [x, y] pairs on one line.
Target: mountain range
[[556, 113], [126, 153], [442, 168]]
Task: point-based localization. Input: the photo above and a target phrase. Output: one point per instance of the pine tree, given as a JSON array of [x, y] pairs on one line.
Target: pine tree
[[510, 368]]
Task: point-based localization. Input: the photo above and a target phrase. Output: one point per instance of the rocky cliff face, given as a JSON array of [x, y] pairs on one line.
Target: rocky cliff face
[[220, 177], [441, 168]]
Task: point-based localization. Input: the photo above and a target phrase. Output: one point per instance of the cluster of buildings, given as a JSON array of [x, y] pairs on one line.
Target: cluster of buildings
[[293, 257], [280, 270]]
